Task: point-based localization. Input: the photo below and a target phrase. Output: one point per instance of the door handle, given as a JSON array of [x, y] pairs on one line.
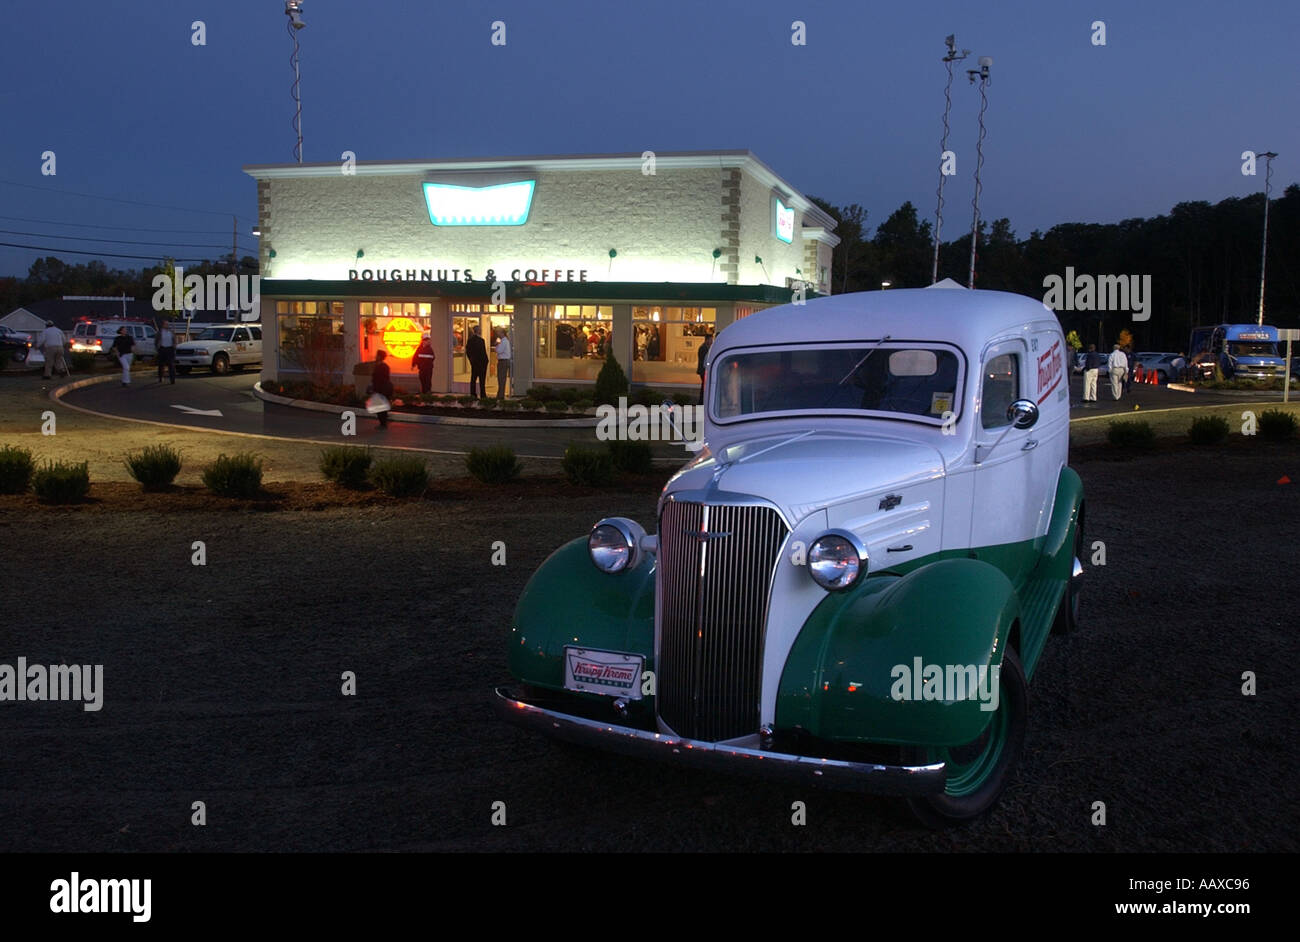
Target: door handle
[[899, 549], [1031, 443]]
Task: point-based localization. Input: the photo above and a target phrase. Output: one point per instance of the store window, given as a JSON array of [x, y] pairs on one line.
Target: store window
[[667, 343], [571, 340], [395, 326], [492, 320], [311, 339]]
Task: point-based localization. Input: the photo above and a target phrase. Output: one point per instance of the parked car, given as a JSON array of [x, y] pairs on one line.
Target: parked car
[[222, 349], [1162, 363], [17, 346], [97, 337], [880, 522]]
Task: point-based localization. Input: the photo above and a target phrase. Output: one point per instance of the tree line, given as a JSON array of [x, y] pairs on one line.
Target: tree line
[[1203, 259]]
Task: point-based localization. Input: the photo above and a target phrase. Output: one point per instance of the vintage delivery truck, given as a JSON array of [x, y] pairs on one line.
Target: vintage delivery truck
[[852, 582]]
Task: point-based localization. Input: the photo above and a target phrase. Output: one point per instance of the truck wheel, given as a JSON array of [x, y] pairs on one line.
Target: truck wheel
[[221, 364], [1067, 613], [18, 356], [981, 769]]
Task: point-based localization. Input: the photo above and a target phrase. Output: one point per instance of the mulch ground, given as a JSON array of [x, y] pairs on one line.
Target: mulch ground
[[222, 682]]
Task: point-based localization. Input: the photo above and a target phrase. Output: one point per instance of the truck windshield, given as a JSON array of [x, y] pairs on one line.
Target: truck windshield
[[1244, 349], [907, 380], [217, 333]]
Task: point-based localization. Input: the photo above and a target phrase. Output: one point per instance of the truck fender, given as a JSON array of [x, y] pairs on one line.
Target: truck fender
[[852, 674]]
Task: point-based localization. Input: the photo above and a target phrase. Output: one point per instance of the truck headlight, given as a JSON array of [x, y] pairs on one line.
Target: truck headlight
[[615, 544], [837, 559]]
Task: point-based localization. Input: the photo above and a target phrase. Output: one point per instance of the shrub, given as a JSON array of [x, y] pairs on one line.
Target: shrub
[[591, 467], [582, 405], [155, 467], [644, 397], [496, 464], [81, 362], [1131, 433], [557, 405], [16, 467], [466, 400], [686, 399], [540, 393], [401, 476], [570, 394], [532, 405], [234, 475], [635, 457], [611, 382], [1208, 430], [1276, 425], [346, 465], [61, 482], [488, 404]]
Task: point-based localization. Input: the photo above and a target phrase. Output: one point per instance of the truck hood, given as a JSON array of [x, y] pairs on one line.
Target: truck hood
[[804, 472]]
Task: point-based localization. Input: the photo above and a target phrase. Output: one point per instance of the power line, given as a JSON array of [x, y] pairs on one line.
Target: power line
[[87, 225], [146, 258], [115, 199], [55, 235]]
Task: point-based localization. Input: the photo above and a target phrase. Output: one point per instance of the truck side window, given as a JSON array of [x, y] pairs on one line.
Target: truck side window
[[1001, 385], [257, 332]]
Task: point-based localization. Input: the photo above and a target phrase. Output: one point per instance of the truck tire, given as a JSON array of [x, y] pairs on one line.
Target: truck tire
[[981, 769], [221, 364]]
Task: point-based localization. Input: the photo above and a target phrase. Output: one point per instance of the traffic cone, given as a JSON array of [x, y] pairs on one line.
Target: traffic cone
[[1284, 480]]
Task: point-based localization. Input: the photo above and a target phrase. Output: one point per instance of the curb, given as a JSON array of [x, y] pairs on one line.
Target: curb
[[396, 416]]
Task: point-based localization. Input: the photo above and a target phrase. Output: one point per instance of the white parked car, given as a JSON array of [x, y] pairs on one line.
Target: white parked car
[[854, 580], [222, 349], [98, 336]]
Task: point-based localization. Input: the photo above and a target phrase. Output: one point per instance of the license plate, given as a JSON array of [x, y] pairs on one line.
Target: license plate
[[609, 672]]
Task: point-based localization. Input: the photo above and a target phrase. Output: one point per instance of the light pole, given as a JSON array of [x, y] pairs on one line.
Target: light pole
[[293, 10], [982, 73], [948, 60], [1263, 261]]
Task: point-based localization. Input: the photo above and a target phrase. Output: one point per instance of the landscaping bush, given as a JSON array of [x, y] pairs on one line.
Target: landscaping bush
[[644, 397], [1131, 433], [60, 482], [496, 464], [532, 405], [346, 465], [611, 382], [1208, 430], [582, 405], [1276, 425], [557, 405], [488, 404], [570, 394], [155, 466], [591, 467], [80, 362], [16, 467], [540, 393], [635, 457], [234, 475], [401, 476], [686, 399], [466, 400]]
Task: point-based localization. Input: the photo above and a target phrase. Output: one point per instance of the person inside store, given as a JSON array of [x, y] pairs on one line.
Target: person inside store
[[476, 353]]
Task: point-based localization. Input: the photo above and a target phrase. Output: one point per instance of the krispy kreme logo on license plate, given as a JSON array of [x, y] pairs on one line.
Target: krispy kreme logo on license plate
[[607, 672]]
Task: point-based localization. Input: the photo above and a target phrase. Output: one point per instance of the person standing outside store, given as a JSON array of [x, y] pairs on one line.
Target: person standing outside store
[[166, 353], [1117, 365], [476, 353], [423, 362], [1091, 370], [123, 344], [503, 364], [381, 382], [1131, 359], [700, 359], [52, 344]]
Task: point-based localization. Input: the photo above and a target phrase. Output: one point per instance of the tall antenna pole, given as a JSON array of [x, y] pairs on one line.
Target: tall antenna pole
[[983, 74], [1263, 261], [293, 10], [948, 60]]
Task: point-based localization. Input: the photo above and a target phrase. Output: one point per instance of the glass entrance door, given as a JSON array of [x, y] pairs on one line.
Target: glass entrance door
[[491, 320]]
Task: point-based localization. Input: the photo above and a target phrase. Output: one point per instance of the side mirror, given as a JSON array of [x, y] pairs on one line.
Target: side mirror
[[1022, 413]]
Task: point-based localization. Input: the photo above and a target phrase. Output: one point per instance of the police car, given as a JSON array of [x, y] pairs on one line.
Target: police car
[[222, 349]]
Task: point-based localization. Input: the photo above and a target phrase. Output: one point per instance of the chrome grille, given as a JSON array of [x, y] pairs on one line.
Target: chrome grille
[[715, 570]]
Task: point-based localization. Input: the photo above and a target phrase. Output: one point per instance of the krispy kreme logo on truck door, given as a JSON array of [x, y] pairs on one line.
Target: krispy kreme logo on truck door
[[1051, 370]]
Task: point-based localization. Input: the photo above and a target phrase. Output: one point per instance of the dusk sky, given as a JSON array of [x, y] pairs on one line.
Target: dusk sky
[[133, 110]]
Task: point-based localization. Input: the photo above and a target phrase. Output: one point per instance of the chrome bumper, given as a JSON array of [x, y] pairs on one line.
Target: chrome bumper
[[778, 766]]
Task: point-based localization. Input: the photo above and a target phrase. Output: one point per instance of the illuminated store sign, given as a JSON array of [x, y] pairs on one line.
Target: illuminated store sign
[[505, 204], [784, 221], [466, 275], [401, 337]]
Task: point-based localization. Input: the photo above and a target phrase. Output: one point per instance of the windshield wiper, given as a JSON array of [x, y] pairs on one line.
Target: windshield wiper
[[856, 366]]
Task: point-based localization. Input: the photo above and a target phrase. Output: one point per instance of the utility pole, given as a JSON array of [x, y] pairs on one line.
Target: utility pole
[[982, 73], [1263, 261], [948, 60]]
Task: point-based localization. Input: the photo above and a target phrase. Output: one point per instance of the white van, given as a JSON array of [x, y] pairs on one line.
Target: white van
[[97, 337]]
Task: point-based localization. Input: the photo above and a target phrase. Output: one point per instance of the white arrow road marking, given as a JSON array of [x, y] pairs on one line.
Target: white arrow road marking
[[190, 410]]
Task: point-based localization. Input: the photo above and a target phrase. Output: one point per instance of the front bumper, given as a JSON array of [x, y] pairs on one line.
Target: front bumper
[[778, 766]]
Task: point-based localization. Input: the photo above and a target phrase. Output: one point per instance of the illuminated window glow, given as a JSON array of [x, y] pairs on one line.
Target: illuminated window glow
[[505, 204]]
